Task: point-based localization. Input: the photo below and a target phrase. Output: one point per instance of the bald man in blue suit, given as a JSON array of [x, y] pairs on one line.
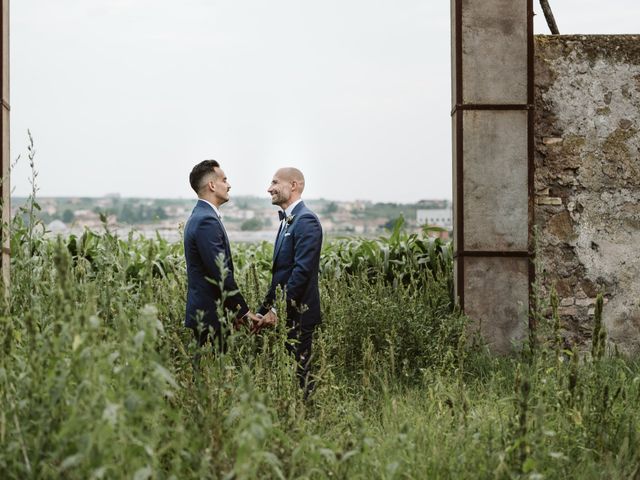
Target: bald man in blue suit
[[296, 263], [205, 239]]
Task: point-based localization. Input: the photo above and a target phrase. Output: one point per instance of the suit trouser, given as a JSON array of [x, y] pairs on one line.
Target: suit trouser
[[204, 334], [299, 345]]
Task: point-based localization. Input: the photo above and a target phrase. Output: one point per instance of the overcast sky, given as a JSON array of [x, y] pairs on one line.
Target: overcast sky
[[125, 96]]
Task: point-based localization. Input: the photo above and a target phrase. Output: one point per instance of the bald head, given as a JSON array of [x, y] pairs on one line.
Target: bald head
[[286, 186], [291, 174]]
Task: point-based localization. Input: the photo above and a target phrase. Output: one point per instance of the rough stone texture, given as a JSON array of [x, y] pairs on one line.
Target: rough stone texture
[[587, 180]]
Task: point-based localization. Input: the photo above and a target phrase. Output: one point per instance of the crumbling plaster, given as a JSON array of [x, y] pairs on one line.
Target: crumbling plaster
[[587, 180]]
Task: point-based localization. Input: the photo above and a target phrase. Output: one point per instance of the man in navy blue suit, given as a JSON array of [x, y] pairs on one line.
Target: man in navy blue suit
[[205, 239], [296, 263]]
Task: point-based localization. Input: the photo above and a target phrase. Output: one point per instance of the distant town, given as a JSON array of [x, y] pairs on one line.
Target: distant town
[[245, 218]]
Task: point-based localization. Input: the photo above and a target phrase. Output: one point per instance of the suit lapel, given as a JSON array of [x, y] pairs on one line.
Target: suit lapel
[[227, 247], [279, 238], [287, 227]]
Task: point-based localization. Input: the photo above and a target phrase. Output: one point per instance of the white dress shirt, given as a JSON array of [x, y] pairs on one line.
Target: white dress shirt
[[290, 208]]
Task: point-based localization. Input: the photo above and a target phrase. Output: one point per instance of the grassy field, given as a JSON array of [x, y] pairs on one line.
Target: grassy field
[[97, 378]]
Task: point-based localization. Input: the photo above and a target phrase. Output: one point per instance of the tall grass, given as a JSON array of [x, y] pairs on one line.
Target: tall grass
[[98, 378]]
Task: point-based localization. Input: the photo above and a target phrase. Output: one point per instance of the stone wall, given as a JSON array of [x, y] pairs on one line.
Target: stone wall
[[587, 180]]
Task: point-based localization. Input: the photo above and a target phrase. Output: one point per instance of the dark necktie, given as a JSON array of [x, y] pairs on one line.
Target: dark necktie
[[281, 215]]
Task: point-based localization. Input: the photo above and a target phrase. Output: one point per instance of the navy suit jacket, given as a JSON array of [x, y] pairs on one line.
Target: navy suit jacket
[[205, 239], [296, 264]]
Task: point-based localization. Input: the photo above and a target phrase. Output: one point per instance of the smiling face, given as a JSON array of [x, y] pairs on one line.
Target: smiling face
[[280, 190], [286, 187]]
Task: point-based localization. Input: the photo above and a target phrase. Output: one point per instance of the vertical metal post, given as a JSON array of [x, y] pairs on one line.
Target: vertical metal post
[[5, 185]]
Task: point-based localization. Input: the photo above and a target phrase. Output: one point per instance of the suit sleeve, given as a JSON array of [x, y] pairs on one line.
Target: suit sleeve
[[269, 298], [307, 246], [211, 242]]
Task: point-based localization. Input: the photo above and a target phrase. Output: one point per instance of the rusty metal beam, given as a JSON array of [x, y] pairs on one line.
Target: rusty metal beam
[[459, 159], [531, 155], [481, 106]]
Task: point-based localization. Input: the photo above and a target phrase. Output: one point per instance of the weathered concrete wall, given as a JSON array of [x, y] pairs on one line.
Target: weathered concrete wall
[[491, 94], [587, 180]]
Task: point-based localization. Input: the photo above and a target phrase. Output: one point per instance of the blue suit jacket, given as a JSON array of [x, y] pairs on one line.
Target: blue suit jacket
[[296, 264], [205, 239]]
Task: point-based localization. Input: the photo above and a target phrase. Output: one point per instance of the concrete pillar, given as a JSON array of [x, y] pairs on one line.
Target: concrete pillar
[[492, 119], [5, 187]]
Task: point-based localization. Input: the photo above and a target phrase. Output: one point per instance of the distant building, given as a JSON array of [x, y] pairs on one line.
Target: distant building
[[233, 212], [433, 204], [82, 216], [57, 226], [49, 209], [439, 217], [356, 206], [104, 202], [176, 210]]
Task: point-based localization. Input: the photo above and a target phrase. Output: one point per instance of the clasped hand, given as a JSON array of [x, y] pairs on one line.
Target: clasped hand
[[258, 322]]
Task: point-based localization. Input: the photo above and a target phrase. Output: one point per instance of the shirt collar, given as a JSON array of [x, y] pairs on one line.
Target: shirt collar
[[211, 205], [290, 208]]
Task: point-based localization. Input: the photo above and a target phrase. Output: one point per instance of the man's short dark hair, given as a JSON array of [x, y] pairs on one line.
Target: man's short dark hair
[[200, 171]]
